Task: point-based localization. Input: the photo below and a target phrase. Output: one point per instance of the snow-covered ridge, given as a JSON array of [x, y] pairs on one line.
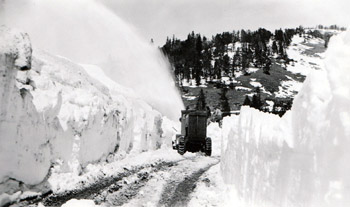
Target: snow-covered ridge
[[299, 159], [57, 114]]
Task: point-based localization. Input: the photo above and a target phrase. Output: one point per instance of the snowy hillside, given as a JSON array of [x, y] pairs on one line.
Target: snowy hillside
[[277, 89], [300, 159], [55, 112]]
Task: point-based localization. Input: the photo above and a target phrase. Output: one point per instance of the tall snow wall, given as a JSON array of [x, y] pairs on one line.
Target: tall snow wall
[[302, 158], [54, 113]]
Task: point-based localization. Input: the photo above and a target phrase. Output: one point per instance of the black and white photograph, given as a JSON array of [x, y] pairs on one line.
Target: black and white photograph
[[174, 103]]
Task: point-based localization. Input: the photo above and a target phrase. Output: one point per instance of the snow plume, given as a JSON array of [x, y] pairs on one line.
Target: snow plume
[[87, 32], [302, 158]]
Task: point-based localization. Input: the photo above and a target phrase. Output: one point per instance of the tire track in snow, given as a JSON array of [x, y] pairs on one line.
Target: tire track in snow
[[125, 186], [119, 193], [92, 191], [178, 193]]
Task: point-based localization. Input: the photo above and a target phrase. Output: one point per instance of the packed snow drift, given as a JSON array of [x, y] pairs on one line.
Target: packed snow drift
[[302, 158], [55, 112]]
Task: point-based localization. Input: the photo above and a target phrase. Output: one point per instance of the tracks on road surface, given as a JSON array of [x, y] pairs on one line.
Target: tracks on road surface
[[178, 194], [179, 182], [123, 191], [93, 190]]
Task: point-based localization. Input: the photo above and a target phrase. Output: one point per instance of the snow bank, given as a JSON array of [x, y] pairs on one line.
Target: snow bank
[[214, 132], [64, 114], [23, 154], [301, 159], [250, 159]]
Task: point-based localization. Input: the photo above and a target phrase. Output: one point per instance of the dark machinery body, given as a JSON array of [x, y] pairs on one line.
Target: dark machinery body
[[193, 137]]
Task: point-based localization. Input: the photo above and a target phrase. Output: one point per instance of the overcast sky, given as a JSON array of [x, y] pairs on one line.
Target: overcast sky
[[158, 19]]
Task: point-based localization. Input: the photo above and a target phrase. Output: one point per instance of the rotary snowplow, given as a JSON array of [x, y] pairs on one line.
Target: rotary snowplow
[[193, 137]]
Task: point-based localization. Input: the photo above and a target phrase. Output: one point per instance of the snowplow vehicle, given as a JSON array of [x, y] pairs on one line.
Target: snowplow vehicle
[[193, 137]]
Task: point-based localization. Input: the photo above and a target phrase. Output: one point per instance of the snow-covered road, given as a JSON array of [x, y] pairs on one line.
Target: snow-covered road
[[177, 183], [164, 182]]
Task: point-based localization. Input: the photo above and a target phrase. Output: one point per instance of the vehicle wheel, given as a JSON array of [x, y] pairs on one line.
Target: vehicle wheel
[[208, 146], [181, 147]]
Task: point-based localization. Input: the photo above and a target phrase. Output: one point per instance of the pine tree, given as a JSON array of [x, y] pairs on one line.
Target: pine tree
[[258, 57], [245, 63], [225, 106], [201, 105], [280, 49], [247, 101], [218, 68], [256, 100], [199, 45], [243, 36], [236, 60], [327, 37], [198, 77], [226, 64], [198, 61], [267, 65], [207, 67], [274, 47]]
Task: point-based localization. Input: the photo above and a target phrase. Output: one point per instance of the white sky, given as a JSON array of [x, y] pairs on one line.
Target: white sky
[[158, 19]]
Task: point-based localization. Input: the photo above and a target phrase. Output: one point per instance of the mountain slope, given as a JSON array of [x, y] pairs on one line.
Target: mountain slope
[[279, 87]]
